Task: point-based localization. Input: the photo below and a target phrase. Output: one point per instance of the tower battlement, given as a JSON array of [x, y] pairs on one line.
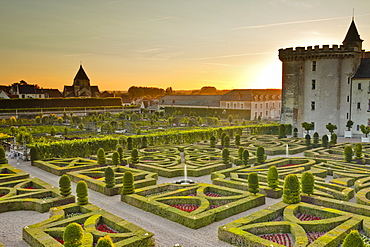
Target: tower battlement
[[315, 52]]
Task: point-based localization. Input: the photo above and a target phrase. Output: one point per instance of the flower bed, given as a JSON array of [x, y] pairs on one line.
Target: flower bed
[[279, 238], [307, 217], [312, 236], [186, 207], [104, 228]]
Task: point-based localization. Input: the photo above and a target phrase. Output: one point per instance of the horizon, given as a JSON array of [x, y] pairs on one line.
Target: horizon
[[228, 45]]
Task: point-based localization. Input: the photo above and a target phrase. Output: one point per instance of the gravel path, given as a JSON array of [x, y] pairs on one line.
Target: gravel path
[[166, 232]]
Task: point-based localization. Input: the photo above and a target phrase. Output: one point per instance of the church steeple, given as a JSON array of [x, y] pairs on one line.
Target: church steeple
[[352, 38], [81, 75]]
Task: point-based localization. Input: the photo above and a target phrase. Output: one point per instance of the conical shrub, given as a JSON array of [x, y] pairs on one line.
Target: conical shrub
[[128, 183], [308, 183], [291, 192], [105, 241], [110, 179], [73, 235], [253, 186], [82, 193], [115, 158], [273, 177], [65, 185], [101, 157]]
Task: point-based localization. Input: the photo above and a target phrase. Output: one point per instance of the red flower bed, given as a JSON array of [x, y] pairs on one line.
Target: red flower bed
[[194, 194], [96, 177], [279, 238], [280, 218], [1, 195], [307, 217], [185, 207], [312, 236], [213, 194], [214, 206], [288, 165], [104, 228], [30, 188], [60, 240]]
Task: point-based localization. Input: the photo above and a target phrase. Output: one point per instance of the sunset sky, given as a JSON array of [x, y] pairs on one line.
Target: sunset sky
[[183, 44]]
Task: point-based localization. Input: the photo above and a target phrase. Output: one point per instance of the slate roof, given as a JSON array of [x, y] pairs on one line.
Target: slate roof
[[52, 93], [81, 75], [69, 91], [363, 70], [95, 91], [248, 94], [352, 34], [29, 89], [191, 100]]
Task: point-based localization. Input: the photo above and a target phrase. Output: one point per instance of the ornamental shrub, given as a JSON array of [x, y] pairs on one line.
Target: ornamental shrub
[[110, 179], [223, 138], [273, 177], [348, 153], [213, 141], [144, 142], [129, 143], [333, 139], [128, 183], [65, 185], [237, 140], [316, 139], [358, 151], [282, 132], [240, 153], [226, 141], [308, 141], [105, 241], [101, 157], [261, 155], [82, 193], [225, 156], [73, 235], [120, 153], [245, 157], [134, 156], [325, 141], [295, 132], [115, 158], [3, 159], [331, 127], [253, 186], [291, 189], [353, 239], [52, 131], [34, 153], [308, 183]]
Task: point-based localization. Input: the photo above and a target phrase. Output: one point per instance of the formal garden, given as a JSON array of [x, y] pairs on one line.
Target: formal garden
[[320, 189]]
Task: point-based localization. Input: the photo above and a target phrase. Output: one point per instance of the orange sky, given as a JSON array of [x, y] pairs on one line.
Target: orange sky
[[166, 43]]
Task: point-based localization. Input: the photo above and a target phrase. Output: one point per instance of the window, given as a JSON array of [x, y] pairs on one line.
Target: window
[[358, 105], [227, 105], [273, 105], [267, 105], [312, 105], [267, 113], [347, 98], [261, 106], [313, 85], [359, 87], [255, 115], [241, 105], [368, 109], [313, 65], [347, 115], [313, 125], [358, 127], [255, 106], [234, 105]]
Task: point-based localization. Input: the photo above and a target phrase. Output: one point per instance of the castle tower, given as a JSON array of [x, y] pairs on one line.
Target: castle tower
[[316, 83]]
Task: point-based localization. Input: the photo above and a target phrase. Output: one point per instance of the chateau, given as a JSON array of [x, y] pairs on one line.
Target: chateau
[[326, 85]]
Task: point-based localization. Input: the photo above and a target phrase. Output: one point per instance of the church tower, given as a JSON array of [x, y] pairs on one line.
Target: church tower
[[316, 83], [81, 86]]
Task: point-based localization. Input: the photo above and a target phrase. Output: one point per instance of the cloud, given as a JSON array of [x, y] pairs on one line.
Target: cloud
[[233, 55], [163, 18], [77, 55], [225, 65]]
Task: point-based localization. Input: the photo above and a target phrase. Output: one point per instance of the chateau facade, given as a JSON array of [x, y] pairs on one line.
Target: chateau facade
[[326, 85]]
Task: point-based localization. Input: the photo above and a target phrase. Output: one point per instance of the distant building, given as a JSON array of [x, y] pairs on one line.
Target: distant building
[[81, 87], [24, 90], [328, 84], [4, 95], [52, 93]]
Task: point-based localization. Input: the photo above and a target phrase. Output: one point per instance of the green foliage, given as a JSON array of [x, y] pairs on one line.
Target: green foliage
[[331, 127], [307, 126], [273, 177], [3, 159], [101, 157], [308, 140], [261, 155], [120, 153], [240, 153], [65, 185], [115, 158], [358, 151], [52, 131], [134, 156], [110, 179], [128, 183], [308, 183], [325, 141], [245, 157], [365, 129], [82, 193], [353, 239], [144, 142], [226, 141], [225, 156], [129, 143], [295, 132], [349, 124], [213, 141], [316, 139], [237, 140], [34, 153], [282, 132], [253, 186], [73, 235], [291, 190], [333, 139], [348, 153], [223, 138], [105, 241]]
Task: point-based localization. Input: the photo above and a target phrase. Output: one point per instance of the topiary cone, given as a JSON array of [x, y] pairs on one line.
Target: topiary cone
[[65, 185], [105, 241], [110, 179], [73, 235], [82, 193], [128, 183]]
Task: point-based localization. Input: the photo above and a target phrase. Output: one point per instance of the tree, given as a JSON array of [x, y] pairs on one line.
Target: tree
[[105, 241], [120, 153], [291, 189], [358, 151], [365, 129], [349, 125], [331, 127], [325, 141], [73, 235], [308, 183], [230, 118], [115, 158], [307, 126], [237, 140], [34, 153], [348, 153], [129, 143], [65, 185], [213, 141], [101, 157], [144, 142], [226, 141], [316, 139], [282, 132], [273, 177], [128, 183], [245, 157], [223, 138], [261, 155], [134, 156], [353, 239], [308, 140], [240, 153], [225, 156], [3, 159], [110, 179], [82, 193], [253, 186]]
